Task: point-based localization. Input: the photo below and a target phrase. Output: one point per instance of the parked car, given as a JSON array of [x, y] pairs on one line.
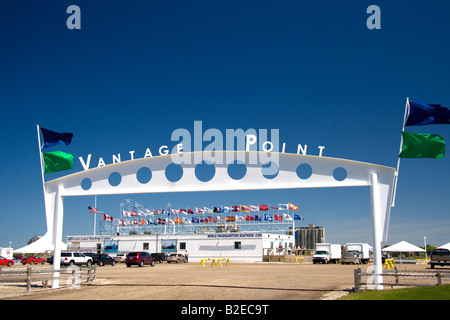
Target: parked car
[[33, 260], [139, 258], [175, 257], [120, 257], [102, 259], [350, 257], [77, 258], [6, 262], [160, 257], [440, 256]]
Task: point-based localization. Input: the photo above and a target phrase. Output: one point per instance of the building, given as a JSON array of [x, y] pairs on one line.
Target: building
[[308, 236], [238, 246]]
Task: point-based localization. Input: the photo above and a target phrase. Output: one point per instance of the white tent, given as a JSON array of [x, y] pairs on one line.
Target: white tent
[[403, 246], [445, 246], [40, 246]]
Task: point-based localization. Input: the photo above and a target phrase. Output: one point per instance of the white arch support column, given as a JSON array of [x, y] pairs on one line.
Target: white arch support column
[[321, 173], [376, 199], [57, 235]]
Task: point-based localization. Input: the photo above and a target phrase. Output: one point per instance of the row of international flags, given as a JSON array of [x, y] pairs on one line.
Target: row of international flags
[[255, 213], [221, 209], [206, 219]]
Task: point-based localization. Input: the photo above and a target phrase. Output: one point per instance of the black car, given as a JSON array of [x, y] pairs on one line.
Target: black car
[[103, 259], [159, 257]]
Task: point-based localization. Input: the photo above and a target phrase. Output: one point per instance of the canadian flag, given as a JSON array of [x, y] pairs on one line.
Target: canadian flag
[[107, 218]]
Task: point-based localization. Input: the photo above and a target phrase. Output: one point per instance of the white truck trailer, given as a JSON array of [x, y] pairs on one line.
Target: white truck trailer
[[327, 253], [361, 249]]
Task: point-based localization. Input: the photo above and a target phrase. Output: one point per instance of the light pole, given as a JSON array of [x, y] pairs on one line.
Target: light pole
[[425, 242]]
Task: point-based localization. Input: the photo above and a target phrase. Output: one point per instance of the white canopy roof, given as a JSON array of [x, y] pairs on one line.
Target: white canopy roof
[[40, 246], [403, 246], [445, 246]]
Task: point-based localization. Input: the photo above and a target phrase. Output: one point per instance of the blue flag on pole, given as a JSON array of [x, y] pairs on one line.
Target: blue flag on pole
[[423, 114], [52, 138]]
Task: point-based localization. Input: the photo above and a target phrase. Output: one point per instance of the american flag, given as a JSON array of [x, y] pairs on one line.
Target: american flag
[[92, 210]]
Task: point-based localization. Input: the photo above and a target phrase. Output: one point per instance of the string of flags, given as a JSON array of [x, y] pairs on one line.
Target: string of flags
[[173, 216]]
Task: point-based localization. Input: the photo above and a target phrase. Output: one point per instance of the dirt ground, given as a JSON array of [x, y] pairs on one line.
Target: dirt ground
[[189, 281]]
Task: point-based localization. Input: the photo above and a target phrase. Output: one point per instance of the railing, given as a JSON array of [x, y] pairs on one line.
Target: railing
[[395, 275], [72, 274]]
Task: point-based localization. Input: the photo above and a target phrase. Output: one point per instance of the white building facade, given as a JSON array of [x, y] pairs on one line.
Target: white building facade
[[239, 246]]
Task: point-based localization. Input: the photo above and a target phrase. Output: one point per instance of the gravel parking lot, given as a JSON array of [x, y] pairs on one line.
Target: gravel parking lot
[[183, 281], [189, 281]]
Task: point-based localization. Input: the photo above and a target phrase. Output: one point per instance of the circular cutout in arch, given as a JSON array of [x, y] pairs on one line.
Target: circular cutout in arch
[[205, 171], [86, 184], [144, 175], [174, 172], [114, 179], [340, 174], [237, 170], [270, 170], [304, 171]]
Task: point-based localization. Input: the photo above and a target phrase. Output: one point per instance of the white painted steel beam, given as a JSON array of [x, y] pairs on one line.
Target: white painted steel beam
[[379, 178]]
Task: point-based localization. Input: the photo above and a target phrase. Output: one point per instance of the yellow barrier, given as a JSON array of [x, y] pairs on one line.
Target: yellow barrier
[[425, 261], [202, 262], [301, 259], [215, 262], [388, 264]]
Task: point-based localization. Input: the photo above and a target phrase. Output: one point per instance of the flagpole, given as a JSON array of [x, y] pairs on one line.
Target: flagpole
[[401, 147], [41, 157], [95, 214], [293, 230]]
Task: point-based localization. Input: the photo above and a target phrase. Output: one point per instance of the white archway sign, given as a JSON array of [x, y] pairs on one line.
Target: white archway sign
[[378, 178]]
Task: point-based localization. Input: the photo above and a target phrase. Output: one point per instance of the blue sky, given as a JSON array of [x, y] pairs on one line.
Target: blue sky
[[137, 71]]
